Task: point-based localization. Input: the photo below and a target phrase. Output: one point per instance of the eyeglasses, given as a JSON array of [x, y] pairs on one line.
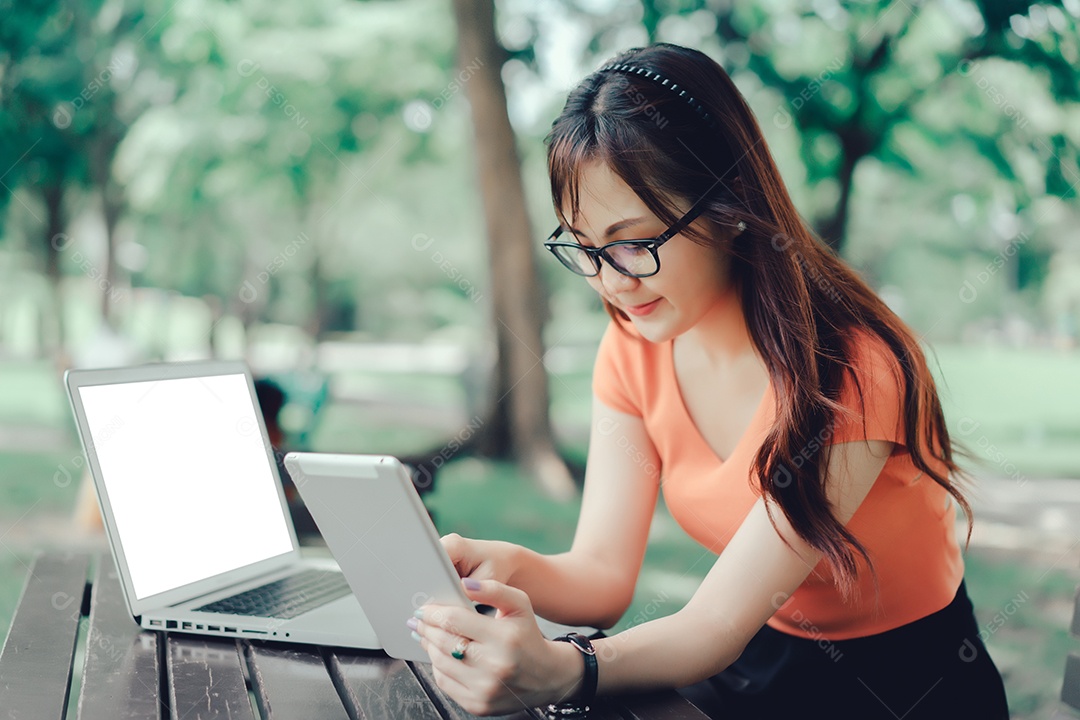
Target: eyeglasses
[[634, 258]]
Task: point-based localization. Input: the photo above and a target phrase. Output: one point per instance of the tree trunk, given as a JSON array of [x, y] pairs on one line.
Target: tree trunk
[[102, 152], [518, 423], [856, 142], [320, 312], [52, 338], [833, 227]]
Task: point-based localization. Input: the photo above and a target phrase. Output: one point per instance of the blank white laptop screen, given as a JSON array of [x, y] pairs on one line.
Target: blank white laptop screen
[[187, 476]]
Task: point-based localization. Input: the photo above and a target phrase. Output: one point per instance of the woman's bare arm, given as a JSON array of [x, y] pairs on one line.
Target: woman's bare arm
[[593, 583], [746, 585]]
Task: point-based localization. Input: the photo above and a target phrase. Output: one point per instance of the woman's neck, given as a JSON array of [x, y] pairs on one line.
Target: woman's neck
[[722, 337]]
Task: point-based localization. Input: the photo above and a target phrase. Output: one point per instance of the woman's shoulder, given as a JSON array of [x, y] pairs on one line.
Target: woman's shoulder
[[870, 356], [872, 390]]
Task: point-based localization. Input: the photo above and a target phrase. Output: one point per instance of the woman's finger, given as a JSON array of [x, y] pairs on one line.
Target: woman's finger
[[444, 641], [457, 620], [450, 684], [462, 677], [471, 691], [510, 601], [457, 548]]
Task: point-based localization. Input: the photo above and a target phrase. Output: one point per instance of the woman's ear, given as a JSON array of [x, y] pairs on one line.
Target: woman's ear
[[737, 188]]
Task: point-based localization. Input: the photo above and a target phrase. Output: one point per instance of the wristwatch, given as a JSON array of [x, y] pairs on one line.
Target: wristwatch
[[579, 707]]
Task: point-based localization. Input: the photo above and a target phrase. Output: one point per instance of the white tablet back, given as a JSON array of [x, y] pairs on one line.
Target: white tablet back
[[379, 531]]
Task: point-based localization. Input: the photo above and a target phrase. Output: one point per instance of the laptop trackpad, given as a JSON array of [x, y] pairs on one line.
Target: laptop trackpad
[[344, 613]]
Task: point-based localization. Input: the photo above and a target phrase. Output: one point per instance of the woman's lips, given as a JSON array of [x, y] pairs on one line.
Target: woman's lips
[[642, 310]]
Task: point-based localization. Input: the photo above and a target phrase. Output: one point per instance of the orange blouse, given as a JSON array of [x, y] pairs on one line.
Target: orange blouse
[[906, 522]]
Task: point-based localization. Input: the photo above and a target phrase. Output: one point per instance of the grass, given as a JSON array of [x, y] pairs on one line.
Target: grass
[[38, 482], [31, 394], [1016, 408], [1023, 611]]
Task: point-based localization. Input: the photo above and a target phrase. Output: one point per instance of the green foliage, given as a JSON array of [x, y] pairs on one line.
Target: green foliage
[[287, 161]]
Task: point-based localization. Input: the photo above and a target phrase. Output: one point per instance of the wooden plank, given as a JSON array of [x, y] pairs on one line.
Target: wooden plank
[[291, 681], [206, 679], [449, 708], [666, 704], [121, 669], [378, 686], [1070, 689], [373, 685], [36, 661]]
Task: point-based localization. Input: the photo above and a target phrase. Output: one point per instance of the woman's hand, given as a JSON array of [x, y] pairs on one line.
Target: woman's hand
[[481, 559], [505, 663]]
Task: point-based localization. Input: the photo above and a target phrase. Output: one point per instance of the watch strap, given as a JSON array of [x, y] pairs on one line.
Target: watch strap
[[588, 684]]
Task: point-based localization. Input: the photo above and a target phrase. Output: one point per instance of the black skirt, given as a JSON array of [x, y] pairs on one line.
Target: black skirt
[[936, 667]]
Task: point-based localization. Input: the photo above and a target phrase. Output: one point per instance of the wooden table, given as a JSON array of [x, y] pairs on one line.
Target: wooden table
[[128, 672]]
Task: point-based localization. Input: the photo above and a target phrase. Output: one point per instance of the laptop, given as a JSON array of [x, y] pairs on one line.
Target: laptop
[[195, 512]]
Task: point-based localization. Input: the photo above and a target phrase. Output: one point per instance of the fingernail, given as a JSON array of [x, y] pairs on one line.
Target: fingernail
[[413, 623], [415, 636], [419, 612], [471, 583]]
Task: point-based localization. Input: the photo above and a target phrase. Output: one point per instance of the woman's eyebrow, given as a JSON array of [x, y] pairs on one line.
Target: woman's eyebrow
[[621, 225]]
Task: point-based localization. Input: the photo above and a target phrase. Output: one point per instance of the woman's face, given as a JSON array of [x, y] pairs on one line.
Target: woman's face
[[693, 279]]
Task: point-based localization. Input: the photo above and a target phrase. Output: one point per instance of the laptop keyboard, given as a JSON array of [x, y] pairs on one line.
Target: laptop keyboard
[[285, 598]]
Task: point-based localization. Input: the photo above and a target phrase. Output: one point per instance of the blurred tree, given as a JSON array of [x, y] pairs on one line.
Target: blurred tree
[[852, 75], [518, 422], [38, 70], [280, 117], [61, 65], [110, 61]]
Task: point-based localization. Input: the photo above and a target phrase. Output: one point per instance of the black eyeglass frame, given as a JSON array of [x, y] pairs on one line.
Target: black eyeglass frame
[[651, 244]]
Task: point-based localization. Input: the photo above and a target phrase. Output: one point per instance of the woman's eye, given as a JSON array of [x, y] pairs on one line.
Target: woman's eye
[[630, 250]]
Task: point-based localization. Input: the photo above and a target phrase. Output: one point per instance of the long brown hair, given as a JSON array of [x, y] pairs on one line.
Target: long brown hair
[[800, 301]]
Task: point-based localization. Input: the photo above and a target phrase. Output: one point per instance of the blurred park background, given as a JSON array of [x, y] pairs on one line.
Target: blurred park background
[[308, 186]]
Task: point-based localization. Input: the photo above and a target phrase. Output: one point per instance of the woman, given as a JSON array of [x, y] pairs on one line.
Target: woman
[[787, 415]]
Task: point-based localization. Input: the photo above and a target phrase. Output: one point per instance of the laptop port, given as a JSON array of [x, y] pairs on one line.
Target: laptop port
[[229, 629], [214, 628], [170, 624], [255, 632], [155, 623], [187, 626]]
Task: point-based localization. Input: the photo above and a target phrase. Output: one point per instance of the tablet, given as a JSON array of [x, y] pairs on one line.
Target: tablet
[[381, 535]]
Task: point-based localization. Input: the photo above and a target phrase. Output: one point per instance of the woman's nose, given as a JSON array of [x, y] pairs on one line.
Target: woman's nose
[[614, 281]]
